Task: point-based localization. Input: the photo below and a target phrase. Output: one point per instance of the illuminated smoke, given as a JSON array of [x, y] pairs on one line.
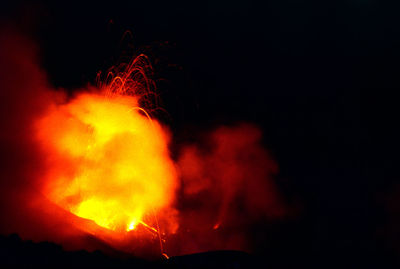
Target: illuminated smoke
[[227, 180]]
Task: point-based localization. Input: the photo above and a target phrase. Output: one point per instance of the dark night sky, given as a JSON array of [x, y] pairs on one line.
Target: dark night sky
[[320, 78]]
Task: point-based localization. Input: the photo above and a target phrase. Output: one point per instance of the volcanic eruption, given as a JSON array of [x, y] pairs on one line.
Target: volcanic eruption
[[94, 167]]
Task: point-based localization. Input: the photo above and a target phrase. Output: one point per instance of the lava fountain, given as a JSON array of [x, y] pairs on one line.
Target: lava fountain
[[107, 160]]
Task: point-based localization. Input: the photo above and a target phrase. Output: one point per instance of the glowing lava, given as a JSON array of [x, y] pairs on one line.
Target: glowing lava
[[107, 161]]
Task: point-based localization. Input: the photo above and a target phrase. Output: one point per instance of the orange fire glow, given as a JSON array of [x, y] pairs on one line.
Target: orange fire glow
[[108, 161]]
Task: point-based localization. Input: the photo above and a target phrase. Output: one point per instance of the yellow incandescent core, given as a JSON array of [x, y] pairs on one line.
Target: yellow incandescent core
[[108, 162]]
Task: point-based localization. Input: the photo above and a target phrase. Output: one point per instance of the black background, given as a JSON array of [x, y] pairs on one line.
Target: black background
[[319, 77]]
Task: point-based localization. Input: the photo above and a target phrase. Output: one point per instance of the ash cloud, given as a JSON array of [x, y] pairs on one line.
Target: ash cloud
[[227, 186]]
